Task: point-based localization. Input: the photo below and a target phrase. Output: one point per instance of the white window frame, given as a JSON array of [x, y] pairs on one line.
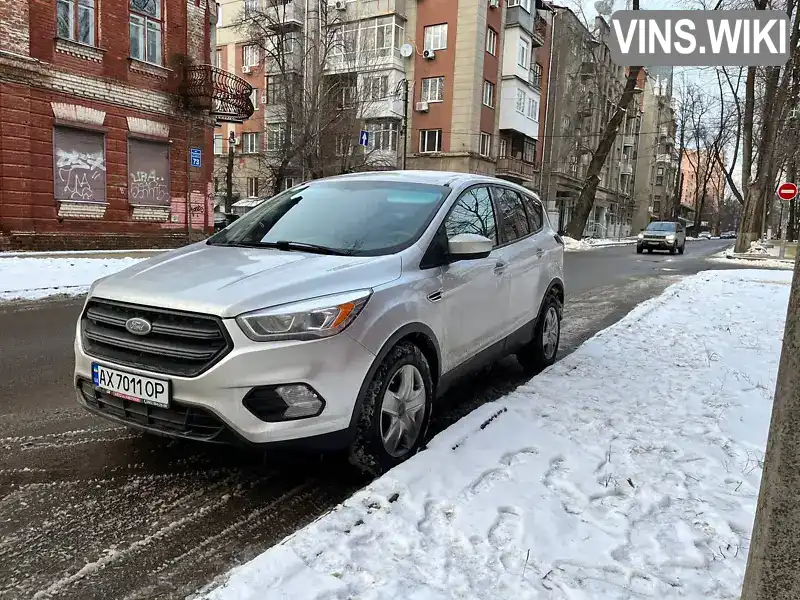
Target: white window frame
[[432, 89], [488, 93], [522, 101], [250, 142], [252, 187], [503, 148], [377, 87], [435, 37], [523, 54], [148, 26], [218, 58], [491, 41], [384, 131], [77, 11], [276, 136], [218, 141], [485, 148], [425, 138], [250, 6], [254, 98], [250, 55], [525, 4]]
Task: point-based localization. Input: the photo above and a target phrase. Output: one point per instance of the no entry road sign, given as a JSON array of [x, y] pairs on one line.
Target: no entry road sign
[[787, 191]]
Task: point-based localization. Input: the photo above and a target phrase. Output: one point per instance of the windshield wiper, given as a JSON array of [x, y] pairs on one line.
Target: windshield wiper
[[288, 246]]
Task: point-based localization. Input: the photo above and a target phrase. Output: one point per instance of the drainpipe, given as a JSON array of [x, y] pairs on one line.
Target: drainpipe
[[546, 192]]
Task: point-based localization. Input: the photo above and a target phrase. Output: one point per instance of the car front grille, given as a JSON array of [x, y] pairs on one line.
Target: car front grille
[[178, 420], [179, 343]]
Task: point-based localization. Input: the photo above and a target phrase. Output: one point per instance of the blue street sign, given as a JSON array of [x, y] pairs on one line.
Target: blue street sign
[[197, 157], [364, 139]]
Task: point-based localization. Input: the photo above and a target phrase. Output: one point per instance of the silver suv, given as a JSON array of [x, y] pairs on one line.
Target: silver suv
[[332, 315]]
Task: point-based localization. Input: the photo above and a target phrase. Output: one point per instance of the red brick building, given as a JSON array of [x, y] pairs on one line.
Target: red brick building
[[100, 103]]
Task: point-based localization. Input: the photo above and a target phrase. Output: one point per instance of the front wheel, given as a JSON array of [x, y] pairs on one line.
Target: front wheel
[[674, 248], [682, 248], [639, 249], [541, 351], [396, 410]]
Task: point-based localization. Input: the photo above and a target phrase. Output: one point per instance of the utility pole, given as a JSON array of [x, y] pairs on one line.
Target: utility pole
[[772, 572], [229, 174], [404, 85]]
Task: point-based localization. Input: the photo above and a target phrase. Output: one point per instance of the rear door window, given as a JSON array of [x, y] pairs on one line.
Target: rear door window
[[514, 219]]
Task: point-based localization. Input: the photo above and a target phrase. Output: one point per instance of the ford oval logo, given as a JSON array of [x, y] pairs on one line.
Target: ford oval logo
[[138, 326]]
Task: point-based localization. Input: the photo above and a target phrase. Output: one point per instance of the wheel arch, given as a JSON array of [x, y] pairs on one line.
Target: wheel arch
[[420, 335]]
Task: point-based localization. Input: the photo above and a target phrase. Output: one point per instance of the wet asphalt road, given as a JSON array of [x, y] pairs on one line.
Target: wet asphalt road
[[90, 510]]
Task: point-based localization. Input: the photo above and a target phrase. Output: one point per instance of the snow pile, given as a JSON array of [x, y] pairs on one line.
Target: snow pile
[[768, 260], [23, 278], [628, 469], [573, 245], [758, 249]]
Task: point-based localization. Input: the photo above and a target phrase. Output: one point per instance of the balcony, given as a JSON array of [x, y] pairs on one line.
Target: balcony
[[364, 9], [663, 158], [539, 31], [625, 167], [516, 169], [516, 16], [284, 13], [224, 95], [629, 141]]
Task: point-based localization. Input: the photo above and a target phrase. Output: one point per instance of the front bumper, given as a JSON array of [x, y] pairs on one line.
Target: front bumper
[[209, 407], [662, 244]]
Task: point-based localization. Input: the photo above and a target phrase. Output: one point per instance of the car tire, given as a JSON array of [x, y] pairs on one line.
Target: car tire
[[538, 354], [377, 421], [674, 248], [639, 249], [649, 250]]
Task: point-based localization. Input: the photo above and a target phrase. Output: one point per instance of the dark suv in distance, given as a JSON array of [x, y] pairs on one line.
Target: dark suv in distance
[[662, 235]]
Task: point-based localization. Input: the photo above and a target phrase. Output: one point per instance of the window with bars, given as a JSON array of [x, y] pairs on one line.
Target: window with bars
[[432, 89], [76, 21], [536, 75], [430, 140], [145, 30], [250, 143], [435, 37]]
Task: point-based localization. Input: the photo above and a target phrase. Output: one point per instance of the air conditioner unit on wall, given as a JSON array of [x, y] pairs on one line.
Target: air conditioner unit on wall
[[340, 5], [429, 54], [494, 3], [246, 69], [422, 107]]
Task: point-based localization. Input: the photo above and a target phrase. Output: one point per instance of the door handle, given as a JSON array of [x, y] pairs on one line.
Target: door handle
[[500, 266], [539, 253]]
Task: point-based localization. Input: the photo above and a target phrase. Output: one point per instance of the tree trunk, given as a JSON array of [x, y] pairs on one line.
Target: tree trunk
[[229, 180], [585, 202], [747, 128], [772, 572]]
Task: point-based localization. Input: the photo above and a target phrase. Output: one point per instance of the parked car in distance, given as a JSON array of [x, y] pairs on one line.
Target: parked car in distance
[[704, 235], [333, 316], [662, 235], [728, 235]]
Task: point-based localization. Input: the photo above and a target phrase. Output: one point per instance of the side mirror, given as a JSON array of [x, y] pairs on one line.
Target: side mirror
[[469, 246]]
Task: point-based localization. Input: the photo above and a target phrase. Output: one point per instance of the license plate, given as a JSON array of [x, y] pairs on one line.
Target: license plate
[[128, 386]]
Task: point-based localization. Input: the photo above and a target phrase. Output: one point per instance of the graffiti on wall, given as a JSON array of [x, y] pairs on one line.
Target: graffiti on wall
[[148, 188], [80, 175]]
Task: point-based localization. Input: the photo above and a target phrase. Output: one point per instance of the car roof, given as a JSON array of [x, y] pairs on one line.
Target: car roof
[[448, 178]]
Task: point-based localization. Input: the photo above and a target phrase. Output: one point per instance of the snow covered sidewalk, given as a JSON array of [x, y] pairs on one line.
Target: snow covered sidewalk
[[34, 278], [630, 469], [573, 245]]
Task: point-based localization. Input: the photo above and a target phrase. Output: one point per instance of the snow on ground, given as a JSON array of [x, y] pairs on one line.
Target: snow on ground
[[765, 258], [573, 245], [23, 278], [630, 469]]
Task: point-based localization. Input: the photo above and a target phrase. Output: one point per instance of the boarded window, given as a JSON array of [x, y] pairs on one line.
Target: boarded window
[[80, 165], [148, 173]]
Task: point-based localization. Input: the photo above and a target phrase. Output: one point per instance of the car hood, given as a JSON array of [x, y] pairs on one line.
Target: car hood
[[227, 281]]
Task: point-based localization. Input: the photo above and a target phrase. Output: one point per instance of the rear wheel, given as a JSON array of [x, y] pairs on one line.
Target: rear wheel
[[396, 410], [541, 351]]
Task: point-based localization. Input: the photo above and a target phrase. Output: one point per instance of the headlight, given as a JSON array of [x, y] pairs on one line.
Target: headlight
[[641, 236], [670, 238], [305, 320]]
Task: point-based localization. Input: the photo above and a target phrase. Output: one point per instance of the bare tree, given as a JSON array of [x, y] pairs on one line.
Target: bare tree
[[586, 198], [316, 95]]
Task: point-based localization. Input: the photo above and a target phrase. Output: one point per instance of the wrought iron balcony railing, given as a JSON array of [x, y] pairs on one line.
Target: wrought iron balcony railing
[[223, 94]]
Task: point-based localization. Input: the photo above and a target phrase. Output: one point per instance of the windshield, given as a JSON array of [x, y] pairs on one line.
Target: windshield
[[661, 227], [361, 218]]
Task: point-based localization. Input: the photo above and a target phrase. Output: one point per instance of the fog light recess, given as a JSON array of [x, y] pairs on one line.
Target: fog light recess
[[286, 402]]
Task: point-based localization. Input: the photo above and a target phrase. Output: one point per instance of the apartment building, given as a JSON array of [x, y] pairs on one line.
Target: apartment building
[[657, 167], [702, 190], [521, 94], [584, 87], [94, 140], [380, 84]]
